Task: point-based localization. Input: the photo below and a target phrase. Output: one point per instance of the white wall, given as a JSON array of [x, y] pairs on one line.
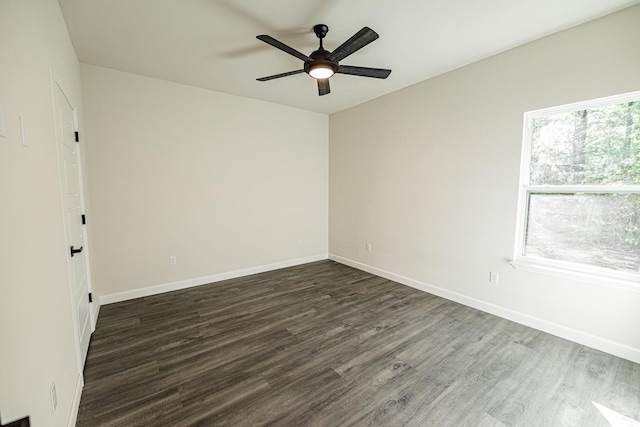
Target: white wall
[[223, 183], [37, 346], [429, 176]]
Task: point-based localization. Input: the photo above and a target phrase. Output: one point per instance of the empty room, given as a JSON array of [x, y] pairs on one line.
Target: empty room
[[323, 213]]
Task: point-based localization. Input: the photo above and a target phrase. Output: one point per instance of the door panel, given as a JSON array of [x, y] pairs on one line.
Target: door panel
[[71, 179], [74, 229]]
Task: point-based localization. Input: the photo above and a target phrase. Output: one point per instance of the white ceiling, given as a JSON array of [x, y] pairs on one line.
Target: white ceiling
[[211, 43]]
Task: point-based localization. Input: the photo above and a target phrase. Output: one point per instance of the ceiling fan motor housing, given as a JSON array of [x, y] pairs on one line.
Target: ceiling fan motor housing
[[320, 60]]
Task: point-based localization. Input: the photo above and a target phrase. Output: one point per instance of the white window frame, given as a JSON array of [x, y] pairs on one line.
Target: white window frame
[[565, 269]]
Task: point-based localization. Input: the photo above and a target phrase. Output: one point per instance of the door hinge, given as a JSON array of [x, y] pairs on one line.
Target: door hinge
[[90, 297], [84, 219], [77, 137]]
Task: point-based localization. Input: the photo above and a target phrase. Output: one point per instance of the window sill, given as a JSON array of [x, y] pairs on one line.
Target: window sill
[[625, 282]]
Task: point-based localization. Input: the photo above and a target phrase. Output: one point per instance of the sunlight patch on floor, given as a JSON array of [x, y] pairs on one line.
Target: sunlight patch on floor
[[616, 419]]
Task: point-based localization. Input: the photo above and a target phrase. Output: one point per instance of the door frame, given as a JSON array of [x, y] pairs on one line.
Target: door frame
[[56, 83]]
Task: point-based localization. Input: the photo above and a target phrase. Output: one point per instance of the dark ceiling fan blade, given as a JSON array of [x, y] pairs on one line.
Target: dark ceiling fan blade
[[378, 73], [323, 87], [355, 43], [277, 76], [283, 47]]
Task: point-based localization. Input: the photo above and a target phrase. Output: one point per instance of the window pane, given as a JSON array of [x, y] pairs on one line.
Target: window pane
[[594, 146], [601, 230]]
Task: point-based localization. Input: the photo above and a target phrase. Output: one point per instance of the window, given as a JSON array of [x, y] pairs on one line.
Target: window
[[579, 202]]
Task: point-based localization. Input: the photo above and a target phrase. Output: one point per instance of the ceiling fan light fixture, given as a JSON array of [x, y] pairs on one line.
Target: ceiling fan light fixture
[[321, 71]]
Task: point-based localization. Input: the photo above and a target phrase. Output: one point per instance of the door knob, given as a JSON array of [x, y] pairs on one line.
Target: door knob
[[75, 251]]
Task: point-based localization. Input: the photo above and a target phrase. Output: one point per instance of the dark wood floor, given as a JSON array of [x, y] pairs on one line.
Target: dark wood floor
[[326, 345]]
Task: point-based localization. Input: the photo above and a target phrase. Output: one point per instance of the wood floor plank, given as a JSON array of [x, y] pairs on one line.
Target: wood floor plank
[[323, 344]]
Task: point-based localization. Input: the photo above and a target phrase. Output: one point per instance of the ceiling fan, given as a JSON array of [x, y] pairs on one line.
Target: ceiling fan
[[322, 64]]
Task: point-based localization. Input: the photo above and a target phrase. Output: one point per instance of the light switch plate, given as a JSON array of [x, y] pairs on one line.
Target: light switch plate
[[3, 125], [23, 132]]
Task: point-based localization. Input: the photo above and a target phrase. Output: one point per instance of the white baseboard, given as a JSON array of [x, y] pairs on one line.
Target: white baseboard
[[75, 403], [183, 284], [580, 337], [96, 312]]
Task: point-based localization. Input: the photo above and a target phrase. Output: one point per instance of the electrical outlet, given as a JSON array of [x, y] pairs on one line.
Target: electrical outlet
[[54, 398], [299, 241], [493, 277], [172, 260], [368, 247]]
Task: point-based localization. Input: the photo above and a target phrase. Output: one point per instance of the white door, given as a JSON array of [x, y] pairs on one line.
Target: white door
[[73, 210]]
